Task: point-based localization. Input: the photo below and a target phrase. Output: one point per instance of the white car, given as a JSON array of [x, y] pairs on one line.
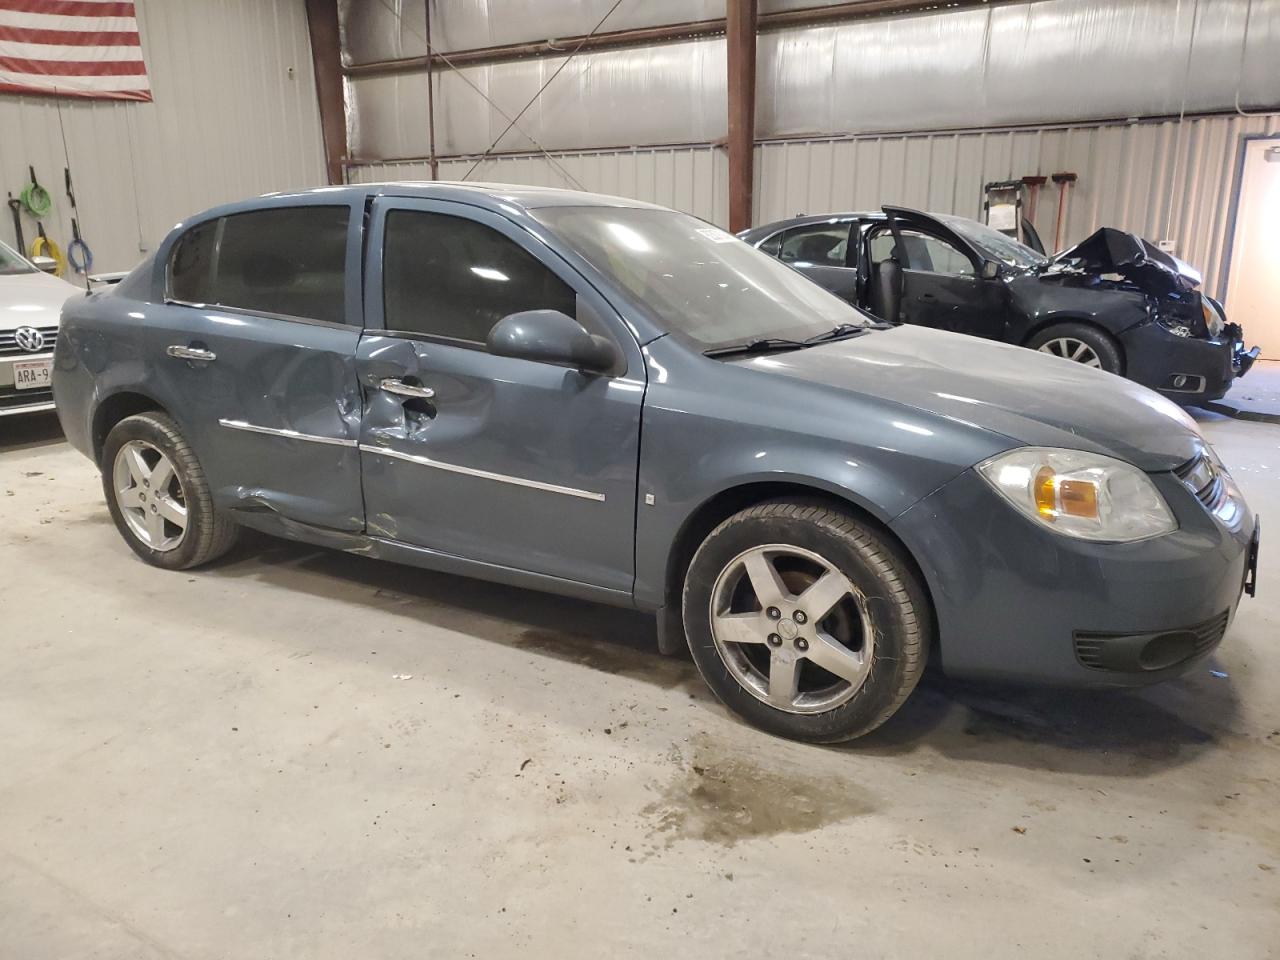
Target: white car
[[30, 301]]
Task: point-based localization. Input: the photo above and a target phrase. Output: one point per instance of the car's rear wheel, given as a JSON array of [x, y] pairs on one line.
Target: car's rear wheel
[[805, 621], [1079, 343], [158, 496]]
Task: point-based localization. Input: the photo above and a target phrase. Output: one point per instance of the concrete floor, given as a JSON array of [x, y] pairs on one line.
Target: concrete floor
[[224, 764]]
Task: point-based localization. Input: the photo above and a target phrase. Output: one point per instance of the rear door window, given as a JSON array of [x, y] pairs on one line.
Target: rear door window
[[285, 261]]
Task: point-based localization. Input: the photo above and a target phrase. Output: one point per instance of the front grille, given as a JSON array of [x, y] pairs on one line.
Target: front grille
[[1202, 478], [1147, 652], [9, 397], [9, 346]]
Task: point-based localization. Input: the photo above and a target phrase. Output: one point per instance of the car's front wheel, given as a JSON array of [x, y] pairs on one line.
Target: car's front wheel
[[158, 496], [1080, 343], [806, 621]]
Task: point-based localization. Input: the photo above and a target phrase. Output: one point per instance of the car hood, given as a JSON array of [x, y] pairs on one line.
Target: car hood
[[1111, 251], [1029, 397], [32, 300]]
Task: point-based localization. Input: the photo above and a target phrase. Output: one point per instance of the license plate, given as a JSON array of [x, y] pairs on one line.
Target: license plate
[[33, 374]]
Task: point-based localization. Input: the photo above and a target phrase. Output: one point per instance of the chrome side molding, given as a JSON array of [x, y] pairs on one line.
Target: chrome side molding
[[484, 474], [286, 434]]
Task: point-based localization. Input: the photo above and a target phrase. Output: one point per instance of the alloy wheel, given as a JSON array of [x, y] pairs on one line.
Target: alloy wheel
[[791, 628], [1069, 348], [150, 496]]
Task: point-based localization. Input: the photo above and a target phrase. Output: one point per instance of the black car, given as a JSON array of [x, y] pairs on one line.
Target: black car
[[1113, 301]]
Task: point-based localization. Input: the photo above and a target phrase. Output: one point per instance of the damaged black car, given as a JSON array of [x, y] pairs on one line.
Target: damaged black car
[[1113, 301]]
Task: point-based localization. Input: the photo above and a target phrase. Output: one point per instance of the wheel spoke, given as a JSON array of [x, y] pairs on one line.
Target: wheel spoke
[[1080, 349], [765, 581], [823, 594], [138, 468], [172, 511], [742, 627], [162, 475], [784, 679], [836, 658], [1095, 362], [155, 528]]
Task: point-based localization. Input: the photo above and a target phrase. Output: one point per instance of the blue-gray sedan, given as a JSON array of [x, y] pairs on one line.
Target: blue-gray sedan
[[618, 402]]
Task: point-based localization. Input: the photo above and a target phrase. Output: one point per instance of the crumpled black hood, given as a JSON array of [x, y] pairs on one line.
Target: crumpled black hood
[[1112, 251]]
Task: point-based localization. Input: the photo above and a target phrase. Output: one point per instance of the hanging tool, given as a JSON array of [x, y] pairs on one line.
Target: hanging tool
[[1033, 185], [35, 197], [78, 253], [15, 207], [1064, 181], [42, 246]]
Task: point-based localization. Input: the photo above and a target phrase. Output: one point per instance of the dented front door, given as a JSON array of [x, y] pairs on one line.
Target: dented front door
[[504, 461]]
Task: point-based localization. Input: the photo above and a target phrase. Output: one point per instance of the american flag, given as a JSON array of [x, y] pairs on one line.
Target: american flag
[[72, 48]]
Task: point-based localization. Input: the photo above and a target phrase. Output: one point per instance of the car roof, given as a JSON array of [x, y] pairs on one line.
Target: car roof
[[478, 193], [756, 234]]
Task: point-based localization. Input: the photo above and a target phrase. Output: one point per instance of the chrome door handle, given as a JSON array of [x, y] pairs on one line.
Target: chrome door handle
[[191, 353], [402, 389]]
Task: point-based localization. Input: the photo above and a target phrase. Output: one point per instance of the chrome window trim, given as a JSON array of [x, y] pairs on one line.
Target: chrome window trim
[[262, 314], [286, 434], [484, 474]]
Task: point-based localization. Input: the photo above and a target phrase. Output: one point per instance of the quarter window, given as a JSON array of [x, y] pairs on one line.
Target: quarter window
[[289, 261], [819, 244], [451, 277]]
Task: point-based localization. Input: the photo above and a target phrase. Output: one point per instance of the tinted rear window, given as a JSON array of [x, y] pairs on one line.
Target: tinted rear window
[[289, 261]]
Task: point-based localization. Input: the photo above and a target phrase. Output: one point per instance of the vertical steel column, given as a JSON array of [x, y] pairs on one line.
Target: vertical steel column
[[326, 59], [431, 99], [740, 39]]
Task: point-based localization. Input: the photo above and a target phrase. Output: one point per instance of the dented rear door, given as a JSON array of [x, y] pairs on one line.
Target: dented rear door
[[256, 340]]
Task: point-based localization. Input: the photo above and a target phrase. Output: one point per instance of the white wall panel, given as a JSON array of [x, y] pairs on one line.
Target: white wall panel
[[692, 179], [234, 115], [1165, 180]]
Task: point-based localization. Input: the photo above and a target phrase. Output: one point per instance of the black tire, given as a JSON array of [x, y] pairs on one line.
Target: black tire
[[1100, 342], [896, 607], [209, 534]]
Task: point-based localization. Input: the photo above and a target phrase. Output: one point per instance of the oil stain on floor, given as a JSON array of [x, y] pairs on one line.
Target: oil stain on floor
[[723, 797]]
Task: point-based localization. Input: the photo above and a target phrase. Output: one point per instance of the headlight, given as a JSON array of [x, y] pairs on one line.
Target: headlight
[[1214, 321], [1080, 494]]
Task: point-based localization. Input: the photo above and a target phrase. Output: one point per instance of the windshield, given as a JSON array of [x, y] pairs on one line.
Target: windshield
[[11, 263], [994, 244], [697, 279]]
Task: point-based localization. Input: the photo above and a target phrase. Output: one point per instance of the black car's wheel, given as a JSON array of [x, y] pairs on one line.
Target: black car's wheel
[[1081, 343], [158, 496], [805, 621]]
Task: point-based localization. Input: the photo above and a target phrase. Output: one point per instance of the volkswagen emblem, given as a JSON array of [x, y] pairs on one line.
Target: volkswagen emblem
[[29, 339]]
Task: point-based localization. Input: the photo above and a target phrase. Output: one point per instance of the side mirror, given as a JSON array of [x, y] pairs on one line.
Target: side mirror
[[990, 269], [45, 264], [549, 336]]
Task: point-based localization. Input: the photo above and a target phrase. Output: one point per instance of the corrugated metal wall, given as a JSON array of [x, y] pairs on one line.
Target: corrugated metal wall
[[594, 102], [693, 179], [1162, 180], [1012, 64], [234, 115]]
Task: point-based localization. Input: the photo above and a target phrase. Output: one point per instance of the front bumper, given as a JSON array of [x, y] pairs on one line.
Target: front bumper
[[1187, 370], [14, 401], [1016, 601]]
